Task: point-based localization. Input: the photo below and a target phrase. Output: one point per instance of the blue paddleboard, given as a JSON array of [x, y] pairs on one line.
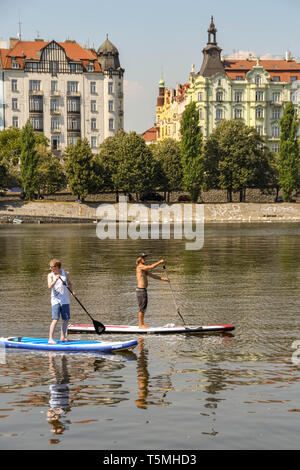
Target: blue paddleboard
[[42, 344]]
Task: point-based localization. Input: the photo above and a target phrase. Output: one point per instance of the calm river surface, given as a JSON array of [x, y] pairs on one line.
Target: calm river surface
[[235, 391]]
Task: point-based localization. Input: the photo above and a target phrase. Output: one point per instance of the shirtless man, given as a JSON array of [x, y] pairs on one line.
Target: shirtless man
[[142, 274]]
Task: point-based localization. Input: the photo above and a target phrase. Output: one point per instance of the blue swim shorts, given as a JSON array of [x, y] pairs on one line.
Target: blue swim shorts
[[61, 310]]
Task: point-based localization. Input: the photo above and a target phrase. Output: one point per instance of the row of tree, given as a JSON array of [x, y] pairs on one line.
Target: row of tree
[[233, 158]]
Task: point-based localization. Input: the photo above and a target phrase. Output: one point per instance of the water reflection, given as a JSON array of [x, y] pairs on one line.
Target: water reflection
[[59, 394]]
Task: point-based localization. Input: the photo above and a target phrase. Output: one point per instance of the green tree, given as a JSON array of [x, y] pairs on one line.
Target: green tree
[[28, 161], [191, 151], [288, 164], [236, 159], [78, 167], [168, 155], [51, 177], [10, 151]]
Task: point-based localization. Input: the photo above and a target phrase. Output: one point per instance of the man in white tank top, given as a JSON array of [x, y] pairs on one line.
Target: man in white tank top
[[60, 301]]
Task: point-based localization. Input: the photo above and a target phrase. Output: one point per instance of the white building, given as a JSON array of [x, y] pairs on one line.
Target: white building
[[65, 90]]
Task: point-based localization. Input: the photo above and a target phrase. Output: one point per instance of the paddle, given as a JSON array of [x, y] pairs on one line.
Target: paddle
[[176, 306], [99, 327]]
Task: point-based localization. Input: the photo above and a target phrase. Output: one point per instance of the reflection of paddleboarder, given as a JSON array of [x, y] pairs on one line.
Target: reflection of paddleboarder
[[59, 395], [142, 274]]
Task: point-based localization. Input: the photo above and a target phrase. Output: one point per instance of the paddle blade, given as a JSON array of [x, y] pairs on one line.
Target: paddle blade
[[99, 327]]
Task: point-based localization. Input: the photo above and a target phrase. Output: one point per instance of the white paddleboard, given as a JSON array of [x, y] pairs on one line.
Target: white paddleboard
[[167, 329]]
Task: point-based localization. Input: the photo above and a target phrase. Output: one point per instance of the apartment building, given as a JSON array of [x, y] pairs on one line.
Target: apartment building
[[64, 89]]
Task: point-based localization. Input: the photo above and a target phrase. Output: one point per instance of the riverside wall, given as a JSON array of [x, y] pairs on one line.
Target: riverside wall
[[75, 212]]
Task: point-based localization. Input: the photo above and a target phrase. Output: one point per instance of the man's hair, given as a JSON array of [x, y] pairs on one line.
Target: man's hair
[[56, 262], [139, 259]]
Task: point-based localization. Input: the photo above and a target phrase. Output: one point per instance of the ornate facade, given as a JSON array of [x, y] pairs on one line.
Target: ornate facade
[[65, 90], [252, 90]]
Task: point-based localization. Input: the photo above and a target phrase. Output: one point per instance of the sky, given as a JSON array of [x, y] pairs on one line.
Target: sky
[[158, 37]]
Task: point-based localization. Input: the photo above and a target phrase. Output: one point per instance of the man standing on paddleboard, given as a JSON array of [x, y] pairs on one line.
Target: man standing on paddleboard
[[60, 301], [142, 274]]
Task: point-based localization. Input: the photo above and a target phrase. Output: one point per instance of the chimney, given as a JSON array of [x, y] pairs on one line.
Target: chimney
[[13, 42]]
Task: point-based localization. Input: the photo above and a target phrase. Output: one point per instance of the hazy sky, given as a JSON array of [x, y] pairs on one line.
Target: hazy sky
[[157, 37]]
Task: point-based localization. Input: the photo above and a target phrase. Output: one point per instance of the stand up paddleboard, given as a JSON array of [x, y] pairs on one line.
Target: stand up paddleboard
[[42, 344], [167, 329]]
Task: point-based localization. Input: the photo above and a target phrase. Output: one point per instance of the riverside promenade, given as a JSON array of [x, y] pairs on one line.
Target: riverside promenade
[[74, 212]]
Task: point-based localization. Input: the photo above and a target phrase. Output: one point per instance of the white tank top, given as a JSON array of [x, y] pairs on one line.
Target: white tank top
[[59, 292]]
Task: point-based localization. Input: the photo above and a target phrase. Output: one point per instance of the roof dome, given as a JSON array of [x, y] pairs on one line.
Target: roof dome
[[108, 56], [107, 48]]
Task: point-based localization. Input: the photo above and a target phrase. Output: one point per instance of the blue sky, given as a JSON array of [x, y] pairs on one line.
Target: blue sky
[[155, 37]]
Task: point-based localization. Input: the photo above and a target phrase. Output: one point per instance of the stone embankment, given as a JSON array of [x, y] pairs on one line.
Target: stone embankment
[[74, 212]]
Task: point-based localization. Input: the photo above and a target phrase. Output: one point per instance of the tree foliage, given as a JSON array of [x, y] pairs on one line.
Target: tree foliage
[[191, 151], [236, 159], [78, 167], [288, 164], [167, 154], [28, 161]]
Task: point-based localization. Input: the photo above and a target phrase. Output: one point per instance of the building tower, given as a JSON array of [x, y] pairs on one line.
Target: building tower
[[212, 63], [108, 58]]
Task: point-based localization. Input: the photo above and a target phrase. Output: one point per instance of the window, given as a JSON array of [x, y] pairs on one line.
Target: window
[[293, 97], [93, 142], [110, 105], [34, 85], [239, 77], [201, 113], [219, 113], [15, 121], [93, 124], [219, 82], [35, 104], [54, 123], [34, 66], [14, 85], [110, 87], [55, 142], [54, 104], [53, 86], [276, 97], [259, 129], [275, 148], [73, 124], [259, 96], [238, 113], [259, 112], [258, 80], [90, 68], [93, 87], [37, 123], [276, 78], [275, 131], [72, 140], [15, 65], [111, 124], [93, 105], [73, 105], [54, 67], [219, 96], [14, 103], [238, 96], [294, 79], [200, 96], [72, 87], [276, 113]]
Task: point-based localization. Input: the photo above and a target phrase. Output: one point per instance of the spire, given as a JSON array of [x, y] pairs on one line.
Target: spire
[[212, 31], [212, 63]]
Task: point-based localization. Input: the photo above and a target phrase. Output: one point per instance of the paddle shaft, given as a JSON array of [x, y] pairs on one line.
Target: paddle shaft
[[176, 306], [99, 325]]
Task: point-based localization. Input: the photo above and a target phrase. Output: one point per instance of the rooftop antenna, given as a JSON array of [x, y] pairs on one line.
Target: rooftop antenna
[[19, 33], [37, 34]]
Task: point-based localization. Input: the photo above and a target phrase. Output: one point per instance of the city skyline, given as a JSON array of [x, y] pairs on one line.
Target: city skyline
[[157, 39]]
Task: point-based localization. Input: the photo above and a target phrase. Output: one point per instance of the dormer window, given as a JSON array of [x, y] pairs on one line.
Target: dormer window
[[90, 68], [15, 64]]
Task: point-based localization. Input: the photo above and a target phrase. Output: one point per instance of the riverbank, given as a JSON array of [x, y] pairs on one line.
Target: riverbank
[[74, 212]]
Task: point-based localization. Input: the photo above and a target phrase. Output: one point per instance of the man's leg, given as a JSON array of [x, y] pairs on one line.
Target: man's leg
[[51, 332]]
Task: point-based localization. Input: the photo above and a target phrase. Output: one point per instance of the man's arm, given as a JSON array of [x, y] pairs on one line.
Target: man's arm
[[151, 266], [159, 278]]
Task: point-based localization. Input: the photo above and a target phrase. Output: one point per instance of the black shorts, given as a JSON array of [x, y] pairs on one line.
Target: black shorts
[[142, 298]]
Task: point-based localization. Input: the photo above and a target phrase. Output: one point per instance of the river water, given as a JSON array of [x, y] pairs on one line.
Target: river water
[[234, 391]]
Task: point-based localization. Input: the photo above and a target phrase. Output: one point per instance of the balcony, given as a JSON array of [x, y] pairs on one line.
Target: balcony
[[36, 92], [73, 111], [55, 112], [73, 93], [73, 130], [55, 93], [55, 130], [36, 111]]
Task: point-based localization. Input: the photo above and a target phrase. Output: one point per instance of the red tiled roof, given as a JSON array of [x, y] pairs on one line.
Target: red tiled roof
[[284, 69], [30, 49], [150, 135]]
